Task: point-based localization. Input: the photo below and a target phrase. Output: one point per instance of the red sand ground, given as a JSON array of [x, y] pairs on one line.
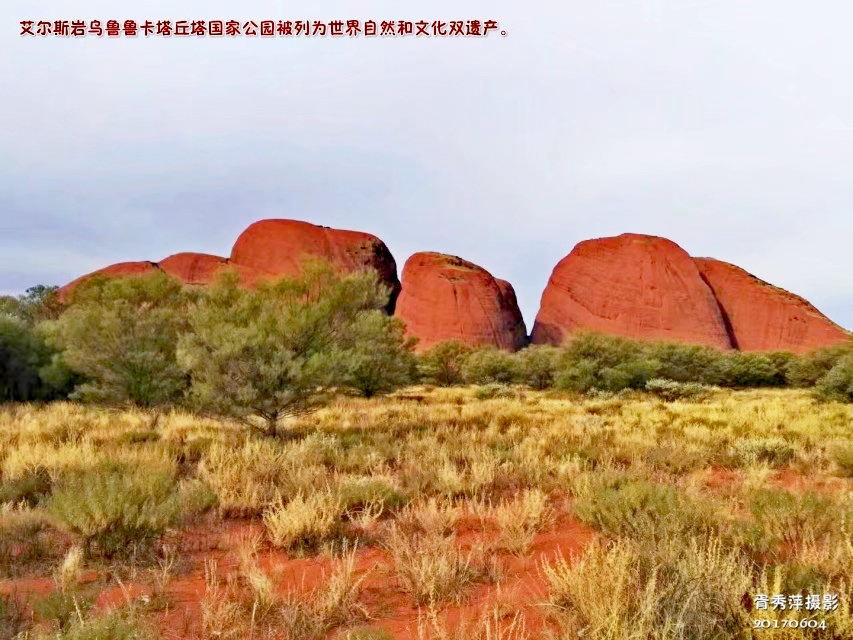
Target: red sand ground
[[390, 607]]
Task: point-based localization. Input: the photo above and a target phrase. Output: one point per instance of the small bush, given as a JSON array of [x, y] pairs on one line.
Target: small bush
[[837, 384], [116, 508], [520, 519], [430, 567], [536, 365], [12, 616], [29, 489], [489, 366], [115, 625], [304, 523], [806, 370], [443, 363], [670, 390]]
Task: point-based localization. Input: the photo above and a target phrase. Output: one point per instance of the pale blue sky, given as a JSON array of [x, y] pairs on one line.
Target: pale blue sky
[[723, 125]]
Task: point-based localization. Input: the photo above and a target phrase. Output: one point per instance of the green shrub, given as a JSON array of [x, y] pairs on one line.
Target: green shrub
[[113, 625], [489, 366], [752, 370], [121, 335], [443, 363], [837, 384], [116, 508], [537, 364], [642, 510], [687, 363], [607, 363], [806, 370], [30, 488], [671, 390]]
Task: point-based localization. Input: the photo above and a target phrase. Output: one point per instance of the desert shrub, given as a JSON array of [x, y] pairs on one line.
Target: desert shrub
[[29, 368], [536, 365], [432, 516], [607, 363], [443, 364], [670, 390], [112, 625], [30, 488], [837, 383], [287, 347], [741, 369], [684, 588], [489, 366], [357, 492], [521, 518], [431, 568], [249, 478], [844, 460], [642, 510], [121, 335], [495, 390], [686, 363], [782, 516], [13, 619], [116, 508], [808, 368], [775, 452], [302, 524]]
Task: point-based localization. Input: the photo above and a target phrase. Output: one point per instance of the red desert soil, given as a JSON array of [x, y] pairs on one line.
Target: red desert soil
[[632, 285], [447, 298], [390, 607]]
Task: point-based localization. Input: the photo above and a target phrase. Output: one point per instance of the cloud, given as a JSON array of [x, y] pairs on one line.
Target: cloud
[[722, 125]]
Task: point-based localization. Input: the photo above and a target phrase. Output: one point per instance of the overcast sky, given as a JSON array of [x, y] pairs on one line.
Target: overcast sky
[[726, 126]]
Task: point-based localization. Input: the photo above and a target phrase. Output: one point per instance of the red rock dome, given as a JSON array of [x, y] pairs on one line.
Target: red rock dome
[[279, 247], [636, 286], [446, 298], [202, 268], [121, 269], [766, 318]]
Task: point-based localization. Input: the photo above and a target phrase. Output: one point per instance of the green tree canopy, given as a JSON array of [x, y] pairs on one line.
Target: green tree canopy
[[286, 347], [120, 334]]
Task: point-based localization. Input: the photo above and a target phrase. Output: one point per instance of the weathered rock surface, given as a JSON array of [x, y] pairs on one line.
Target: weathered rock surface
[[280, 246], [763, 317], [121, 269], [202, 268], [447, 298], [636, 286]]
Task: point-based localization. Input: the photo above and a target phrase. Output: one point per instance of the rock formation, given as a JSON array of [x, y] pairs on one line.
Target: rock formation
[[636, 286], [762, 317], [279, 247], [121, 269], [202, 268], [447, 298], [272, 248]]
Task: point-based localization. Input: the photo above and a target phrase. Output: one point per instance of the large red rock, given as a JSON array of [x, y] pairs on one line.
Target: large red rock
[[766, 318], [121, 269], [279, 247], [635, 286], [446, 298], [202, 268]]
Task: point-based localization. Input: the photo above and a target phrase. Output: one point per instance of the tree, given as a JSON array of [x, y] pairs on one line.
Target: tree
[[537, 364], [378, 357], [443, 363], [489, 366], [837, 384], [121, 334], [39, 303], [288, 347]]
